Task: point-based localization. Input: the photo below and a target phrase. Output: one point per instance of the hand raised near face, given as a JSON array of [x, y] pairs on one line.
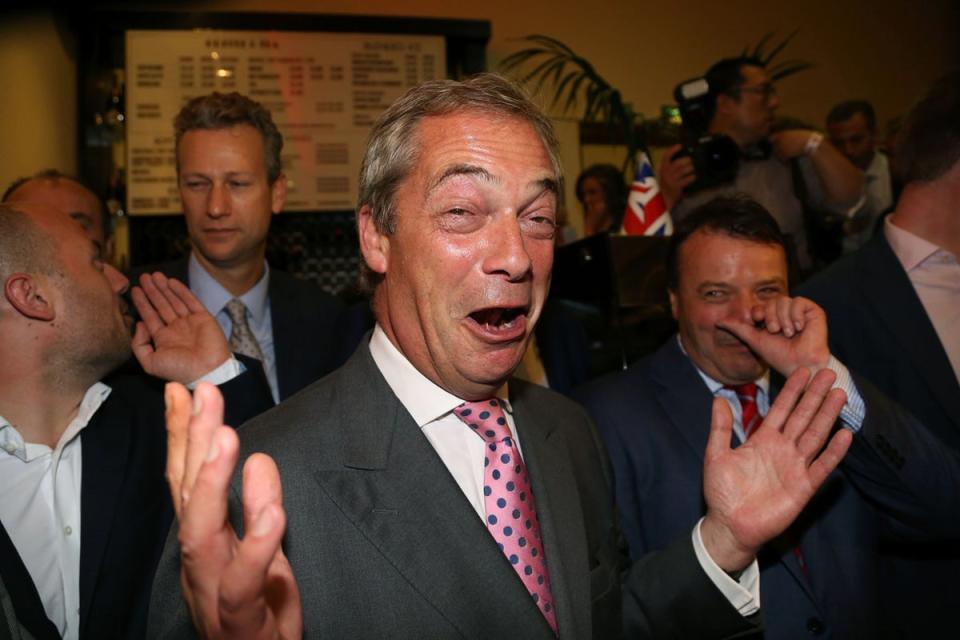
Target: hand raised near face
[[177, 339], [754, 492], [234, 588], [787, 333]]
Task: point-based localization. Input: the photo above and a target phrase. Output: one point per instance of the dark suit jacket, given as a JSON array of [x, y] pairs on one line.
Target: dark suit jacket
[[879, 329], [895, 483], [384, 544], [126, 509], [313, 332]]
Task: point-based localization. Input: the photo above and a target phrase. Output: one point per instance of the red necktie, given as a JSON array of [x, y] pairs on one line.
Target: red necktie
[[750, 417], [508, 501]]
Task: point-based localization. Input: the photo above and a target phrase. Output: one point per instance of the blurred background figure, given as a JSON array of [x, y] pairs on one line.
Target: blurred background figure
[[63, 192], [602, 193], [852, 127]]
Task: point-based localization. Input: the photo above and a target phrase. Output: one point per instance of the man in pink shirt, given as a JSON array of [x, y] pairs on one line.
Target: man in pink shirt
[[894, 317]]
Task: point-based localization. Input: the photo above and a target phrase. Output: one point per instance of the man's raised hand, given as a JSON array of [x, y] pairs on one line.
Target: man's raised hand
[[234, 588], [176, 339], [754, 492]]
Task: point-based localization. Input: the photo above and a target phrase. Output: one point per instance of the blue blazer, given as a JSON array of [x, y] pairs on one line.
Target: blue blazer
[[879, 329], [896, 483]]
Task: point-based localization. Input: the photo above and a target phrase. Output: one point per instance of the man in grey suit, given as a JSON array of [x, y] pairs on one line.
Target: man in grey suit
[[390, 519]]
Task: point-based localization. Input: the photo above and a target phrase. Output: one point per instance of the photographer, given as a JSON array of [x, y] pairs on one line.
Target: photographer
[[740, 103]]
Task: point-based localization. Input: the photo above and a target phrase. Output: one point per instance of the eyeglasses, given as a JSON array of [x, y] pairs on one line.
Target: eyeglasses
[[766, 90]]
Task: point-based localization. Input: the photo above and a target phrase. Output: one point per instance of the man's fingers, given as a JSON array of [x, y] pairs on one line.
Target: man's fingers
[[148, 313], [186, 296], [721, 429], [828, 460], [142, 346], [784, 305], [261, 486], [206, 418], [148, 283], [782, 407], [811, 440], [809, 405], [246, 582], [177, 400], [205, 515], [207, 542], [171, 296]]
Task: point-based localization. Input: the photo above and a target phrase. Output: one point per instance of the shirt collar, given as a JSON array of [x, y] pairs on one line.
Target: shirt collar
[[763, 382], [911, 250], [423, 399], [214, 296], [13, 443]]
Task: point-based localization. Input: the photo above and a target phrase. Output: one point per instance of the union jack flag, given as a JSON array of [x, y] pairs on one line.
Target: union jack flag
[[646, 213]]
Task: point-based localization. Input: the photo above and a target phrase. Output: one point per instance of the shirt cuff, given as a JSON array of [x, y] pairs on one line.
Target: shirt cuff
[[226, 372], [744, 592], [854, 410]]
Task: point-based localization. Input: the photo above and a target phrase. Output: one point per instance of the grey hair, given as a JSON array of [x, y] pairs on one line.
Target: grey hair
[[393, 147]]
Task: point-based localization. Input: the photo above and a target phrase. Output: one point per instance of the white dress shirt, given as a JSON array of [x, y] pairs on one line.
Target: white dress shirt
[[214, 297], [41, 505], [935, 276], [41, 510], [462, 452]]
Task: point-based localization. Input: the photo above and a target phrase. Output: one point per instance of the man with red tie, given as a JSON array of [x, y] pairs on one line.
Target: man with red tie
[[739, 335]]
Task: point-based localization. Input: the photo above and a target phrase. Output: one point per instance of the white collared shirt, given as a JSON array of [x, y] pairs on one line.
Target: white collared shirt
[[935, 275], [462, 452], [459, 447], [41, 510]]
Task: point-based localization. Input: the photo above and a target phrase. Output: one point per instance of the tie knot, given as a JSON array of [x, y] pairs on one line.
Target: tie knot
[[745, 392], [486, 418], [237, 311]]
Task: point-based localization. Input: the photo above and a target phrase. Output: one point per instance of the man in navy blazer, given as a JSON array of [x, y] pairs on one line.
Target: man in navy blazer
[[85, 508], [231, 184], [727, 272], [893, 309]]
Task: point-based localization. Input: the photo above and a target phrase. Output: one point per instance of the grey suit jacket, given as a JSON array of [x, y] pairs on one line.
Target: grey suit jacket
[[383, 542]]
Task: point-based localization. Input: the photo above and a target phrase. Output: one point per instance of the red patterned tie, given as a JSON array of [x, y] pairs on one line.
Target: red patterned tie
[[508, 501], [751, 420]]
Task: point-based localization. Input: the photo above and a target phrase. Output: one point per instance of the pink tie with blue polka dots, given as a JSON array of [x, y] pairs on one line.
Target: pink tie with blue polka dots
[[508, 501]]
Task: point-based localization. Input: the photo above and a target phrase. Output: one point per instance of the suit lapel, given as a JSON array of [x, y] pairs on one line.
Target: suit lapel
[[684, 395], [287, 324], [546, 455], [104, 443], [892, 298], [397, 492]]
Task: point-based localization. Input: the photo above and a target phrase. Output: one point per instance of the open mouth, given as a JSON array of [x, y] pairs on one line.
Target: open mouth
[[501, 321]]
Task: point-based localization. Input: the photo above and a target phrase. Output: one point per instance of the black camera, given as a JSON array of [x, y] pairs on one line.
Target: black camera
[[716, 158]]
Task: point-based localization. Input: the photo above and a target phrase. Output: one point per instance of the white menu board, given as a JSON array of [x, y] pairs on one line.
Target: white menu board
[[324, 91]]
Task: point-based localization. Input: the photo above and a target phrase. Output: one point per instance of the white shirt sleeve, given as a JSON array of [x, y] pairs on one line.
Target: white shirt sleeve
[[744, 592], [226, 372]]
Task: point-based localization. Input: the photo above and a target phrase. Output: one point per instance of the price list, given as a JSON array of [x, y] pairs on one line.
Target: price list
[[324, 91]]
